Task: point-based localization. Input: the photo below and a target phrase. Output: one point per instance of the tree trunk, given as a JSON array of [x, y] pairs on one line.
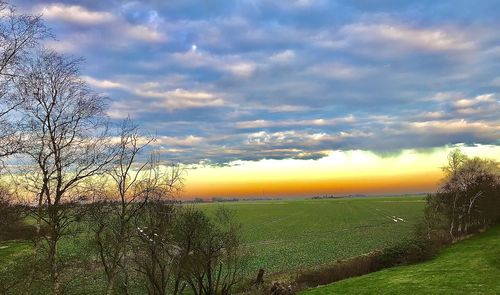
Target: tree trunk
[[36, 241], [111, 284], [54, 271]]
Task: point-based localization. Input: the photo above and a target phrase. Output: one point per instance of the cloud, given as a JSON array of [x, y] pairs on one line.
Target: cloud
[[473, 131], [75, 14], [196, 58], [230, 80], [114, 25], [103, 84], [466, 103], [187, 141], [478, 107], [180, 99], [145, 33], [242, 69], [337, 71], [289, 123], [417, 38], [283, 57], [64, 47]]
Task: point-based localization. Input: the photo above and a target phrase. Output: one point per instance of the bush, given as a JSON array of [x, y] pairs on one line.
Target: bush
[[341, 270], [11, 222], [412, 251]]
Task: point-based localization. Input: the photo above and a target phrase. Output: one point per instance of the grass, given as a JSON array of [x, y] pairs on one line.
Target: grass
[[285, 235], [468, 267], [11, 249]]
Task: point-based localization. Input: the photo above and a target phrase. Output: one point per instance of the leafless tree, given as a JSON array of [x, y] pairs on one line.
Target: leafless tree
[[455, 160], [469, 195], [66, 143], [19, 33], [211, 257], [154, 250], [135, 181]]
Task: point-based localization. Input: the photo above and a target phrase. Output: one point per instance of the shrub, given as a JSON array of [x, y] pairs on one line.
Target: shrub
[[11, 222], [341, 270]]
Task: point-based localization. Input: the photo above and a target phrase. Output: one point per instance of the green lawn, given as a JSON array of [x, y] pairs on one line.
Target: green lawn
[[468, 267]]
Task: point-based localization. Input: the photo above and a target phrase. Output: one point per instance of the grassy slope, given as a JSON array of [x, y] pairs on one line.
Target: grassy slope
[[468, 267]]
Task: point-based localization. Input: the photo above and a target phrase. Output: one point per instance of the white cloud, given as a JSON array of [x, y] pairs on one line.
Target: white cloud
[[119, 27], [482, 129], [432, 115], [178, 98], [62, 46], [424, 39], [74, 14], [242, 69], [104, 84], [465, 102], [481, 105], [145, 33], [187, 141], [182, 99], [283, 56], [225, 63], [293, 138], [289, 123], [444, 96]]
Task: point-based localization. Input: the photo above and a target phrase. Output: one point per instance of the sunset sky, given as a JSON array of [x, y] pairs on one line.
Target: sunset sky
[[294, 97]]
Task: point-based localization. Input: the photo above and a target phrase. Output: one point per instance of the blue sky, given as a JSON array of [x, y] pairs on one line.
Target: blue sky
[[221, 81]]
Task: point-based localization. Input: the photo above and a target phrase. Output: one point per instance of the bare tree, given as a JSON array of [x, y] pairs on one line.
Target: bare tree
[[469, 196], [135, 181], [66, 143], [455, 160], [19, 33], [211, 257], [154, 250]]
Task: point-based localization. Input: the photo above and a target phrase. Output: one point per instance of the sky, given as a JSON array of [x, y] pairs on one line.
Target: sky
[[294, 97]]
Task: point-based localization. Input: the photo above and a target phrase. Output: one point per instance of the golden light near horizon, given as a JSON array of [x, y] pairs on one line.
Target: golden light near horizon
[[341, 172]]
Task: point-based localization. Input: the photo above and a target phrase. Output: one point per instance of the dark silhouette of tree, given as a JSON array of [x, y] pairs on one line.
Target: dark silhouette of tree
[[210, 253], [66, 143], [135, 182]]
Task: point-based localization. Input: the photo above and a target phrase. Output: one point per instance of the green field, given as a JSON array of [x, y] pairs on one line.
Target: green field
[[281, 236], [289, 234], [468, 267]]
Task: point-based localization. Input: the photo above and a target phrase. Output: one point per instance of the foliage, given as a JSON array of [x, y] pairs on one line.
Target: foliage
[[11, 216]]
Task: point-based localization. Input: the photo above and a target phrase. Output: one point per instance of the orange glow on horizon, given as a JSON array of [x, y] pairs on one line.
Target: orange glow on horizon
[[426, 182], [340, 173]]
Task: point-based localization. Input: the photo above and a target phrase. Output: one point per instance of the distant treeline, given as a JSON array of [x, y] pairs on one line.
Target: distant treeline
[[223, 200]]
